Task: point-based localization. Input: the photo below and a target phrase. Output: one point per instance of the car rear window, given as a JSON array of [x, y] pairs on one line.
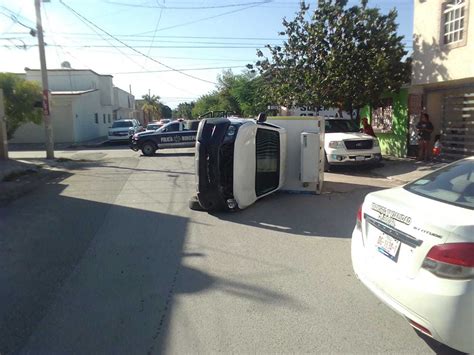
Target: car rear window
[[453, 184], [122, 124]]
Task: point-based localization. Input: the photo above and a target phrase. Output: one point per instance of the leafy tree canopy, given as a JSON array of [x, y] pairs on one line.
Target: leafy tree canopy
[[166, 111], [241, 94], [184, 110], [20, 98], [336, 56]]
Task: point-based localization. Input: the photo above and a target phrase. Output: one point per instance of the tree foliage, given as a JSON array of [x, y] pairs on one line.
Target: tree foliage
[[336, 56], [20, 98], [166, 111], [152, 107], [241, 94], [184, 110]]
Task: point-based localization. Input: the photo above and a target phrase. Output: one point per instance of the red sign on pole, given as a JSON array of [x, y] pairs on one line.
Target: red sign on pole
[[46, 111]]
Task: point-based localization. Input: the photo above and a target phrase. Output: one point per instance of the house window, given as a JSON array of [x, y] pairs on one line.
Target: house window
[[108, 117], [103, 116], [96, 116], [382, 116], [454, 21]]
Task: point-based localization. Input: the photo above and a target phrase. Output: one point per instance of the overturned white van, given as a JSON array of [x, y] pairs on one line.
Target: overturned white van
[[238, 161]]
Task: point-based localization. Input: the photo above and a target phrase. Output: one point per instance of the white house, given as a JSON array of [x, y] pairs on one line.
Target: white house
[[83, 106], [443, 70]]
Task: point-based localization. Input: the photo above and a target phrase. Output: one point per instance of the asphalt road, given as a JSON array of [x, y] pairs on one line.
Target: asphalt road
[[107, 258]]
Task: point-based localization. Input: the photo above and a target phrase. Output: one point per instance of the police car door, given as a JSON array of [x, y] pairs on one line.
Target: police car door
[[169, 138]]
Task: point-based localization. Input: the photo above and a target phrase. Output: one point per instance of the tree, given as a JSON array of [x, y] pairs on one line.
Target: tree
[[21, 99], [184, 110], [242, 94], [249, 92], [166, 111], [152, 107], [337, 57], [206, 103]]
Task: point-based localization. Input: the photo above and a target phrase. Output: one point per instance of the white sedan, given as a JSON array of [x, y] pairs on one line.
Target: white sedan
[[413, 247]]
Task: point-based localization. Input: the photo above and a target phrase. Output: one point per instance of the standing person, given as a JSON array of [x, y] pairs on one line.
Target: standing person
[[424, 128], [367, 128]]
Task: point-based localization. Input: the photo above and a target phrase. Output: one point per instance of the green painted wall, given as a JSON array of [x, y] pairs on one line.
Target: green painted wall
[[395, 142]]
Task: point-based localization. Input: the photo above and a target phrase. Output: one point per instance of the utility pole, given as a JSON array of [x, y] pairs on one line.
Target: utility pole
[[3, 130], [44, 79]]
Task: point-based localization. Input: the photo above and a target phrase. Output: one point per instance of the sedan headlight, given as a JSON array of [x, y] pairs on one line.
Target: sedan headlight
[[335, 144]]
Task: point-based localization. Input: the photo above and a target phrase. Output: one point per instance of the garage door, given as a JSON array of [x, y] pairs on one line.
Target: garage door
[[457, 133]]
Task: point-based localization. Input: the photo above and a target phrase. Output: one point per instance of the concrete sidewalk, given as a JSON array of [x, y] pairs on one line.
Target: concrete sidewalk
[[405, 169]]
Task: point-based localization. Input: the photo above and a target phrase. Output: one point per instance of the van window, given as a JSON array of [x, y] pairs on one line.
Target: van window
[[267, 175]]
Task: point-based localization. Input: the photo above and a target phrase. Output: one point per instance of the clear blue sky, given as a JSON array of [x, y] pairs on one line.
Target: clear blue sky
[[178, 33]]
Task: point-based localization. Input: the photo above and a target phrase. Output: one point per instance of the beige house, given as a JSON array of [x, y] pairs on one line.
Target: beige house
[[443, 71]]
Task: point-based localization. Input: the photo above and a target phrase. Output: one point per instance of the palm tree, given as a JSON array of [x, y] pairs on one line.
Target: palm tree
[[152, 107]]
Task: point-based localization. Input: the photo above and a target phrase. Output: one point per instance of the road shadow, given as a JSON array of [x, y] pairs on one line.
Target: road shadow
[[388, 168], [356, 170], [83, 276], [161, 154], [436, 346], [307, 215]]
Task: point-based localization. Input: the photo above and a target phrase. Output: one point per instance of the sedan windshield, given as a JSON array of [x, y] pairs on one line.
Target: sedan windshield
[[453, 184], [122, 124], [340, 126]]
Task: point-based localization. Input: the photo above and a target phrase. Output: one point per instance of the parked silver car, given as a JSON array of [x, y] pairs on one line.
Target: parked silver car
[[122, 129]]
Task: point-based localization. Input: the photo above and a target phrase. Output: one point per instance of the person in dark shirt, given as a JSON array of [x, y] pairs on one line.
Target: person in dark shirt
[[366, 127], [424, 128]]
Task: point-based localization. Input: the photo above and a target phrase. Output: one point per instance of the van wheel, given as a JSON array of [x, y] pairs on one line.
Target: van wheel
[[194, 204], [149, 149], [327, 166]]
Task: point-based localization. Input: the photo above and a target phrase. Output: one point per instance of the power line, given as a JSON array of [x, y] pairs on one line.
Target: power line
[[189, 7], [156, 29], [203, 19], [183, 69], [132, 48], [142, 54]]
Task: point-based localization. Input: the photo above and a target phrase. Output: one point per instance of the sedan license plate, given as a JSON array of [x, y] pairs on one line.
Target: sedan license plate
[[359, 158], [388, 246]]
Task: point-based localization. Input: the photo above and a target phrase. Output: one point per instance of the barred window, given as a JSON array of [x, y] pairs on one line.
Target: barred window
[[382, 116], [454, 21]]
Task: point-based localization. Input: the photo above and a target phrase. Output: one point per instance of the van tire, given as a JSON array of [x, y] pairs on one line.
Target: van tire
[[194, 204], [327, 166]]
